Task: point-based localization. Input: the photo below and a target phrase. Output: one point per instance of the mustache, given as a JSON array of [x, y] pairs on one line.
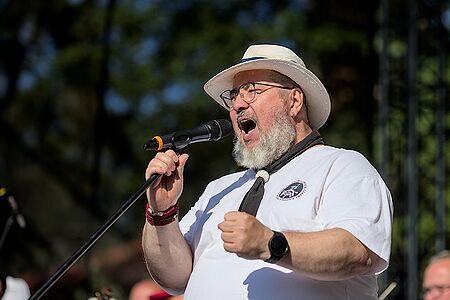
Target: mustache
[[242, 115], [245, 114]]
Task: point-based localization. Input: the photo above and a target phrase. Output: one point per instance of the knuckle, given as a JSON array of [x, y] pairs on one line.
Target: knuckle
[[159, 155], [246, 217], [220, 226]]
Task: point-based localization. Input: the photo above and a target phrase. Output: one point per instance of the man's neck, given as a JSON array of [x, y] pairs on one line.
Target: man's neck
[[303, 130]]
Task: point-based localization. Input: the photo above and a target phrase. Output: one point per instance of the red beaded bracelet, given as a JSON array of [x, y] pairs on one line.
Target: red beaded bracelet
[[161, 218]]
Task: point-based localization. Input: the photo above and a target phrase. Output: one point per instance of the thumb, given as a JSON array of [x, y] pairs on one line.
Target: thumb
[[182, 159]]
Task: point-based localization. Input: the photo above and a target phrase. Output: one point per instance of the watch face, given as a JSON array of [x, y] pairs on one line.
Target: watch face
[[279, 245]]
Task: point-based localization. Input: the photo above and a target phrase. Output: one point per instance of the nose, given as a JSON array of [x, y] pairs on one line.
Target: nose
[[431, 295], [239, 104]]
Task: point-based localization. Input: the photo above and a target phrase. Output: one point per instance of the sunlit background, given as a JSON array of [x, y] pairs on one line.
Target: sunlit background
[[83, 84]]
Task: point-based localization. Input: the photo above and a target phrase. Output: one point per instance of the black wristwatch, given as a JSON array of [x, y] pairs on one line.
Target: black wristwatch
[[278, 247]]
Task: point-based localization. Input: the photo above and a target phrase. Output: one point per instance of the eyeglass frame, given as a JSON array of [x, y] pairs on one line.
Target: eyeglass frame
[[225, 100]]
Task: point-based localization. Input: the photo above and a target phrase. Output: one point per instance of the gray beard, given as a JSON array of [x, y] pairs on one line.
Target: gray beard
[[271, 147]]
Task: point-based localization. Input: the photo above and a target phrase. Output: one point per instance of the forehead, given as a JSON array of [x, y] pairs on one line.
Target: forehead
[[252, 75], [439, 269]]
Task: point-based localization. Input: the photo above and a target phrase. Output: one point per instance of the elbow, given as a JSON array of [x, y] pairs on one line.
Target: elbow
[[366, 264], [172, 287], [356, 261], [363, 265], [369, 264]]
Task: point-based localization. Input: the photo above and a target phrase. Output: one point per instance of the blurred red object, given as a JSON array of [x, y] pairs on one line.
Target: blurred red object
[[160, 296]]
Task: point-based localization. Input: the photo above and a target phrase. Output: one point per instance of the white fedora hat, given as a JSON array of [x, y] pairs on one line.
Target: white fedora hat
[[284, 61]]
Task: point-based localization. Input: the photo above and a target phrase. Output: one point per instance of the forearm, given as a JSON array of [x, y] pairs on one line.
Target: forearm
[[167, 255], [333, 254]]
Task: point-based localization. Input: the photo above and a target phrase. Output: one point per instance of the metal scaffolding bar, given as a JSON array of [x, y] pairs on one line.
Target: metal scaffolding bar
[[384, 107], [411, 161], [440, 133], [384, 83]]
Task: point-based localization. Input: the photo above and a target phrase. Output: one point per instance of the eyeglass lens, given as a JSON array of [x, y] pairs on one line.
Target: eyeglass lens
[[246, 91]]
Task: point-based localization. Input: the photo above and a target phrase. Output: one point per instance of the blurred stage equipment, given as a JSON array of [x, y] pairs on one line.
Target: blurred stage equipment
[[15, 214], [388, 291]]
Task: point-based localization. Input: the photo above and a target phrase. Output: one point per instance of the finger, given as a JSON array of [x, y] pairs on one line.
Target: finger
[[182, 159], [162, 163], [170, 159], [229, 247], [171, 153], [228, 237], [231, 215], [226, 226], [157, 166]]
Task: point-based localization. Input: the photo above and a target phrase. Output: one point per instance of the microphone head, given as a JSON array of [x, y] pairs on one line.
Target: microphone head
[[211, 131], [219, 129]]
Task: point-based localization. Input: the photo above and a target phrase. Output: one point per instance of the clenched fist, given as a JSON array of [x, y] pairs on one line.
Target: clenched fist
[[244, 235]]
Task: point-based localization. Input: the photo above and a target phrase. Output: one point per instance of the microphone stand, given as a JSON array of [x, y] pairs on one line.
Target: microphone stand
[[77, 254], [8, 225]]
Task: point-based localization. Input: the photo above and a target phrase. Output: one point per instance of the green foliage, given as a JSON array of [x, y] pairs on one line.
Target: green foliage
[[83, 84]]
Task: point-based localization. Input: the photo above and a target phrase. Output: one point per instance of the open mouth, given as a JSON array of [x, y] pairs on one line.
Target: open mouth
[[246, 125]]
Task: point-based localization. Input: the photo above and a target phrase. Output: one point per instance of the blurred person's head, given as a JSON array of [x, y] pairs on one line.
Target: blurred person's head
[[436, 280]]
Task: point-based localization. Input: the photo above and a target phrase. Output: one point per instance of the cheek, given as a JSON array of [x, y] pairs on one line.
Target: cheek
[[233, 121], [266, 117]]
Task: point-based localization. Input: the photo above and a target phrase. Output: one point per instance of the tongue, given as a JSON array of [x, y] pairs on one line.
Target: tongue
[[248, 134]]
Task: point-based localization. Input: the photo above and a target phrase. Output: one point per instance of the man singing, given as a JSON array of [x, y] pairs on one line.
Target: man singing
[[304, 220]]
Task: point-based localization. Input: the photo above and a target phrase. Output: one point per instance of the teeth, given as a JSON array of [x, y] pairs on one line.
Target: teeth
[[241, 122]]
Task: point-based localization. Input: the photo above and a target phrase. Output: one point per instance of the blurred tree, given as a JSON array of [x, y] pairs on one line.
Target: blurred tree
[[84, 83]]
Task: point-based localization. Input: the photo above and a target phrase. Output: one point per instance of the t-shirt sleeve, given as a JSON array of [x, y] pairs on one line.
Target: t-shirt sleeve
[[190, 221], [356, 199]]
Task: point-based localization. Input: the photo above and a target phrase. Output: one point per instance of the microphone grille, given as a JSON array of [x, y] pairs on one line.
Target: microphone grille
[[220, 128]]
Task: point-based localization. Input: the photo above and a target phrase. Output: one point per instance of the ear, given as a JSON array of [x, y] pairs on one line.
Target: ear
[[297, 101]]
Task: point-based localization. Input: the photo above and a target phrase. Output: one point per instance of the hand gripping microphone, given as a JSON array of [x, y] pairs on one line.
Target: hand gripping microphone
[[212, 131]]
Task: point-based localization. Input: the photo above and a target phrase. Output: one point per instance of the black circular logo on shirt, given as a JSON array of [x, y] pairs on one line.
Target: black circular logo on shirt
[[292, 191]]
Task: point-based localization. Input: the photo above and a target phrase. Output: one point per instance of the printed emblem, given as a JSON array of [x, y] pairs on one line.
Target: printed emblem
[[292, 191]]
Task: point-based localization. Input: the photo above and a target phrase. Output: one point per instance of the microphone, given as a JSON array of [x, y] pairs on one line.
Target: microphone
[[20, 220], [211, 131]]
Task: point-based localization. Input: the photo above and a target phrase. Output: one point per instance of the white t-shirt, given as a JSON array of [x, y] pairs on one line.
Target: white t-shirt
[[323, 188]]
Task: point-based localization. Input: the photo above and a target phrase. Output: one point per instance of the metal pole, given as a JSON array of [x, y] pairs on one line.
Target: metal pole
[[384, 107], [411, 165], [5, 232], [384, 82], [440, 132]]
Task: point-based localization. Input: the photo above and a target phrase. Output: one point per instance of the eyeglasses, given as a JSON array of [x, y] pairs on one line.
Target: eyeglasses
[[247, 92], [436, 289]]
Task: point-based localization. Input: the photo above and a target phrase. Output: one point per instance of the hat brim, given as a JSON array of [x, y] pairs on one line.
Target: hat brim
[[317, 98]]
